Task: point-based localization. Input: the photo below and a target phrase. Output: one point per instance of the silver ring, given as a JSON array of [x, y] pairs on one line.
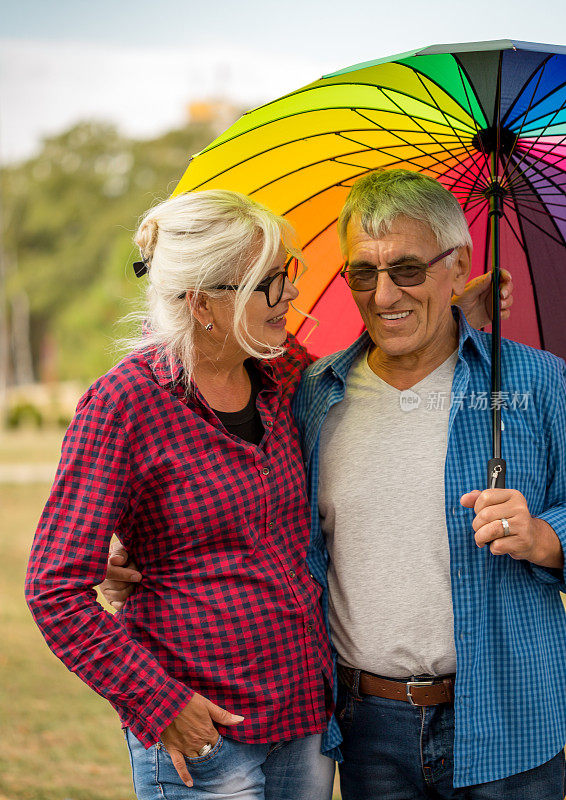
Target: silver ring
[[505, 524], [205, 750]]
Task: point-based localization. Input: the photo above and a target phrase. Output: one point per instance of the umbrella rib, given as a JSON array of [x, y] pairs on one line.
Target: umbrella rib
[[529, 183], [550, 150], [427, 90], [524, 119], [510, 223], [463, 74], [415, 119], [412, 161], [462, 69], [497, 156], [486, 165], [381, 88], [469, 197], [319, 233], [539, 68], [548, 196], [341, 183], [533, 165], [408, 160], [410, 116], [556, 238], [323, 290], [292, 141], [480, 210], [542, 177], [474, 191], [363, 171], [270, 150], [516, 166], [404, 141], [322, 191], [313, 164], [479, 202], [533, 207], [548, 95], [518, 180], [531, 274], [257, 127]]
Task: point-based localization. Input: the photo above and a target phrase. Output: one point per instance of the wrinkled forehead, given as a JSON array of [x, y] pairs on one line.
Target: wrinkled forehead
[[401, 235]]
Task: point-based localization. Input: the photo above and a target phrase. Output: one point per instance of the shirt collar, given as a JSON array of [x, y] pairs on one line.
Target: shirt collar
[[471, 338], [168, 369], [340, 363]]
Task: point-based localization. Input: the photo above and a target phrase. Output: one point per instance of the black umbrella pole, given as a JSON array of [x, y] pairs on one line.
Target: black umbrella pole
[[496, 465]]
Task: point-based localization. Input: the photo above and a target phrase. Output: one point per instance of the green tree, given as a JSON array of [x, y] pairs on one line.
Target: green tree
[[69, 216]]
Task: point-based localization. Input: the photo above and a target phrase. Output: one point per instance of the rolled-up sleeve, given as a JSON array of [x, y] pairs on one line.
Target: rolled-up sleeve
[[89, 501]]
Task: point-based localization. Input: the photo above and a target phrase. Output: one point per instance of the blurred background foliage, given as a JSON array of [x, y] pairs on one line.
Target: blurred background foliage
[[68, 217]]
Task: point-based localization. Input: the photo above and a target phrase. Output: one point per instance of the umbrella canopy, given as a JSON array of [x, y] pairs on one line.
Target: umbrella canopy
[[475, 116]]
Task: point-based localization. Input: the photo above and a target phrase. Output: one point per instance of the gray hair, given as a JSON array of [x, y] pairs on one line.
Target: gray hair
[[378, 197], [198, 241]]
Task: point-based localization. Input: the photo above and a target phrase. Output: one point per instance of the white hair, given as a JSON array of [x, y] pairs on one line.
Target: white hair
[[379, 197], [198, 241]]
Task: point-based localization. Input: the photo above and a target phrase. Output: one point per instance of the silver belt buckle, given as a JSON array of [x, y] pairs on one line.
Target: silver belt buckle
[[410, 685]]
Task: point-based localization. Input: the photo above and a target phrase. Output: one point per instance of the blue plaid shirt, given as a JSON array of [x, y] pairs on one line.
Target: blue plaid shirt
[[509, 621]]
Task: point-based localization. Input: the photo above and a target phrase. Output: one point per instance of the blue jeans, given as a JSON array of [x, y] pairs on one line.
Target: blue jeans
[[293, 770], [396, 751]]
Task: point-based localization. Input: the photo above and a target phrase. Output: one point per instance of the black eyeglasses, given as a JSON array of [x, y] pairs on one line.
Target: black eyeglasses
[[364, 278], [274, 286]]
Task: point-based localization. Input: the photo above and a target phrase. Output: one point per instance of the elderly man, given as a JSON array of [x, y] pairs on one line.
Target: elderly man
[[450, 635], [450, 639]]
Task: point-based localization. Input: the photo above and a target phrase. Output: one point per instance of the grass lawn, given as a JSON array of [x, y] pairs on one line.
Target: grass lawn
[[60, 741]]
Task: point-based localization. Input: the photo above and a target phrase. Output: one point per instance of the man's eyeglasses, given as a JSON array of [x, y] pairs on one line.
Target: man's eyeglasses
[[274, 286], [364, 278]]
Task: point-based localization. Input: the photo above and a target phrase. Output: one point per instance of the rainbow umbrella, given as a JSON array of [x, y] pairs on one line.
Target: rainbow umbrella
[[487, 119]]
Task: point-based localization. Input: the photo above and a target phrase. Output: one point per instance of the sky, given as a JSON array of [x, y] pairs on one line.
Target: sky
[[138, 63]]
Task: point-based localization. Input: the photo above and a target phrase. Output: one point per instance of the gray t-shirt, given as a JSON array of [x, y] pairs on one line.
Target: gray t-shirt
[[381, 502]]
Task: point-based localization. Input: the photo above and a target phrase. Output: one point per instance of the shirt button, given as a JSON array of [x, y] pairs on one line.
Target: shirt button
[[270, 525], [309, 628], [292, 573], [269, 423], [266, 471]]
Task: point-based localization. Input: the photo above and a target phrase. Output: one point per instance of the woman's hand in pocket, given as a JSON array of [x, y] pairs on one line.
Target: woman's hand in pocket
[[193, 728]]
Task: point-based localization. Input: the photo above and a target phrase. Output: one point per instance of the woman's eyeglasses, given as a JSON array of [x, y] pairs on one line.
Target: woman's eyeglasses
[[364, 278], [273, 286]]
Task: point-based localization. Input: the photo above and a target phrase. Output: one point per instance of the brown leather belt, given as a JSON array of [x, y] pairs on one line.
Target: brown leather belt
[[419, 692]]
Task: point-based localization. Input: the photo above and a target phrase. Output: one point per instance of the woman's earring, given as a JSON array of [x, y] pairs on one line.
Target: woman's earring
[[208, 327]]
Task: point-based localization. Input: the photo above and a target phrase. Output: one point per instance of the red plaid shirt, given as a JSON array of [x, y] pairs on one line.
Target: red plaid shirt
[[219, 528]]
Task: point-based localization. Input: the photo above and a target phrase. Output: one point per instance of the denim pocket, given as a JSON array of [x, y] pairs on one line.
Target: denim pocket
[[209, 756], [345, 706], [210, 773], [166, 771]]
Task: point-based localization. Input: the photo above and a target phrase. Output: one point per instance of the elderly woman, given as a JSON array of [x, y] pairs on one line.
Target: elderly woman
[[188, 452], [219, 665]]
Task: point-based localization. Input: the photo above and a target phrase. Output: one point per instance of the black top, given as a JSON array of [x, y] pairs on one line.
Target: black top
[[246, 423]]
